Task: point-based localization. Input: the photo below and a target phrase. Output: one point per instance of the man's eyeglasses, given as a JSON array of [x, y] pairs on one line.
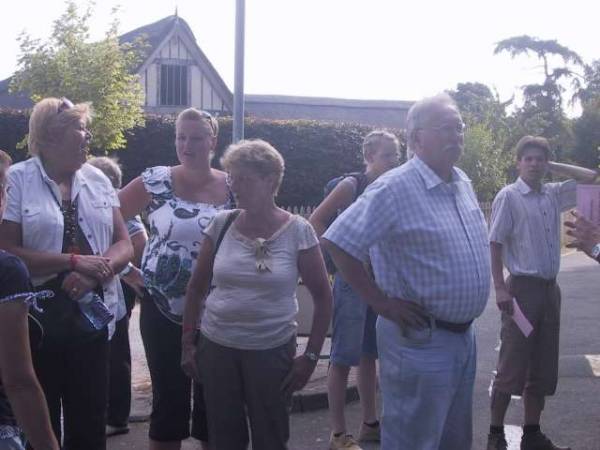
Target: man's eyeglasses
[[65, 104], [448, 130]]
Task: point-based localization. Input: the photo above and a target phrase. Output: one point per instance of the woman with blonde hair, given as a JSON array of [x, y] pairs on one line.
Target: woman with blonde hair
[[179, 201], [353, 341], [246, 352], [63, 221]]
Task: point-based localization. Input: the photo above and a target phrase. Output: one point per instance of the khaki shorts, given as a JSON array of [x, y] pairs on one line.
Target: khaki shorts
[[530, 364]]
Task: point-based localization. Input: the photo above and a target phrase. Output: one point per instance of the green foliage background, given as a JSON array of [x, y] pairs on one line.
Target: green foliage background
[[314, 152], [102, 73]]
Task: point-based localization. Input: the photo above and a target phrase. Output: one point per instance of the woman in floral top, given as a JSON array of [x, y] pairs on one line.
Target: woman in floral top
[[180, 201], [18, 377]]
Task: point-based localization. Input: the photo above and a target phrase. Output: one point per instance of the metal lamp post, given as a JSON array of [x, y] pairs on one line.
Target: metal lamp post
[[238, 93]]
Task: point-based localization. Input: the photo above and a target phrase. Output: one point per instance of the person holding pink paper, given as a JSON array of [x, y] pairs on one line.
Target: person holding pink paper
[[525, 238]]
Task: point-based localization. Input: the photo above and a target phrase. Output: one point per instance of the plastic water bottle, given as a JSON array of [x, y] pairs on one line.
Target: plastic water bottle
[[94, 310]]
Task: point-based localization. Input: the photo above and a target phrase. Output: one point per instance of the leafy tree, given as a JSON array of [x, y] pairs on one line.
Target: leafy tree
[[477, 101], [484, 158], [586, 128], [102, 73], [484, 162], [479, 105], [590, 93], [542, 112], [547, 95]]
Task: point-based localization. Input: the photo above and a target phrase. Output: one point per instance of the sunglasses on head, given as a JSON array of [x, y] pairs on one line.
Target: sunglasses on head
[[209, 118], [65, 104]]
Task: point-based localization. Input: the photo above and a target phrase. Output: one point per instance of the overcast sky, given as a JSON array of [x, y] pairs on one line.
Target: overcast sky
[[376, 49]]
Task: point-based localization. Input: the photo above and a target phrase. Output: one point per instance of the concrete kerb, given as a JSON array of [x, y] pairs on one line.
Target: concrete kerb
[[302, 403], [314, 395]]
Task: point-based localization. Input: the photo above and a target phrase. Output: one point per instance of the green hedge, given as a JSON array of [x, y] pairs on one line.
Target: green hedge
[[314, 152]]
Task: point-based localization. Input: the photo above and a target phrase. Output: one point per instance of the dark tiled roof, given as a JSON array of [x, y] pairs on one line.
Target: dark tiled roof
[[379, 113], [154, 33], [13, 101]]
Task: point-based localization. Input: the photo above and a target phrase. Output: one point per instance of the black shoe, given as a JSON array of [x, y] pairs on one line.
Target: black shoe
[[496, 441], [538, 441]]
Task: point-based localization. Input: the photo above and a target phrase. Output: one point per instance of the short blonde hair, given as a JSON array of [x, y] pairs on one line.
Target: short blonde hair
[[48, 119], [256, 155], [199, 116], [109, 167], [375, 138]]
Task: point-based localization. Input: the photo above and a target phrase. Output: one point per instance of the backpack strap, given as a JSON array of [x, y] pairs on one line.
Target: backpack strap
[[230, 218], [361, 183]]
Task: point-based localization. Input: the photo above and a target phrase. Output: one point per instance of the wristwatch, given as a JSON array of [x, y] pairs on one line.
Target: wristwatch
[[127, 270], [311, 356], [595, 253]]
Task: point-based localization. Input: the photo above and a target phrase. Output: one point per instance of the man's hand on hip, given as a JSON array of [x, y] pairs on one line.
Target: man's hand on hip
[[405, 313]]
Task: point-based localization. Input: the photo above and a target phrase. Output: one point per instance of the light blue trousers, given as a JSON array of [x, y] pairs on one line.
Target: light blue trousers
[[427, 388]]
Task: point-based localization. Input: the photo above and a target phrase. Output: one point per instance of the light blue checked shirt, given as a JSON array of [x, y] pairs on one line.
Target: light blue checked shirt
[[427, 240]]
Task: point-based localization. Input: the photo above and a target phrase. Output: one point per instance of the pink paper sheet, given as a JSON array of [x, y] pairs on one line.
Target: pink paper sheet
[[520, 319], [588, 202]]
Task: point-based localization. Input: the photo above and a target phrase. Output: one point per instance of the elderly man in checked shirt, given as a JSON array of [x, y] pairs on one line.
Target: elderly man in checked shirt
[[426, 236], [525, 237]]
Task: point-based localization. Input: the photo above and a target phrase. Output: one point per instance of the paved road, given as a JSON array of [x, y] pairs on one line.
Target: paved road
[[571, 417]]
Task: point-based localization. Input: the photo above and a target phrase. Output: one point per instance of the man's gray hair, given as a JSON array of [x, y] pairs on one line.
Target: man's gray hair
[[419, 114]]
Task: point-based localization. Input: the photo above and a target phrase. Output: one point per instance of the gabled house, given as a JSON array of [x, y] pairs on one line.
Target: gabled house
[[176, 74]]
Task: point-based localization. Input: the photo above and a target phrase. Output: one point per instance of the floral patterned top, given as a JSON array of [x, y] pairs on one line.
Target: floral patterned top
[[14, 287], [175, 237]]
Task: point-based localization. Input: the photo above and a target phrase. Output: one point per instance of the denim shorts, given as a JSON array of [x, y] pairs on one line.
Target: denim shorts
[[353, 332]]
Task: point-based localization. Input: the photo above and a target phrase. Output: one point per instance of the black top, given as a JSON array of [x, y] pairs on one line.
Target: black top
[[14, 279]]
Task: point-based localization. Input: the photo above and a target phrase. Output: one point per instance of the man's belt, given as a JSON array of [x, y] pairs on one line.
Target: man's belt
[[452, 326], [538, 280]]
